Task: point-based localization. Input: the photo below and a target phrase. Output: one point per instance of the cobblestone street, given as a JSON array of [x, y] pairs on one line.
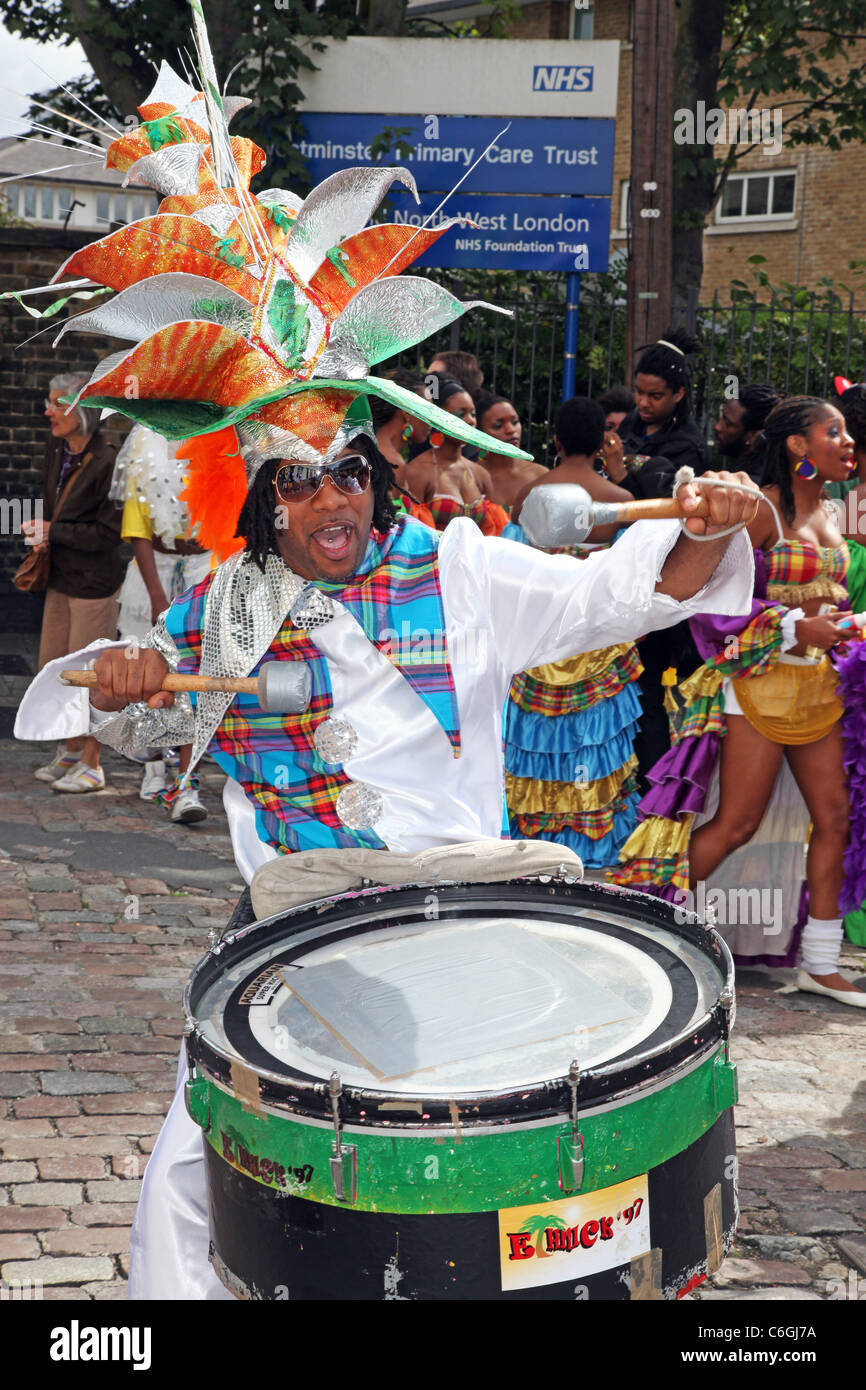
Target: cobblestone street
[[106, 906]]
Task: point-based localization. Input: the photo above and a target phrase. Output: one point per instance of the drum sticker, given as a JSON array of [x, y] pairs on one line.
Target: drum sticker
[[262, 989], [550, 1242], [264, 1170]]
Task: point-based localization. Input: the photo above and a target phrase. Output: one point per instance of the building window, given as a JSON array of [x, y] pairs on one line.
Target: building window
[[103, 207], [140, 208], [747, 197], [583, 15], [121, 207], [46, 209], [64, 202], [29, 200], [10, 195]]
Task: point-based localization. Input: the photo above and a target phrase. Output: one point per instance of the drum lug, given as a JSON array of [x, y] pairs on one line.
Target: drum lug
[[569, 1152], [725, 1085], [570, 1160], [344, 1157]]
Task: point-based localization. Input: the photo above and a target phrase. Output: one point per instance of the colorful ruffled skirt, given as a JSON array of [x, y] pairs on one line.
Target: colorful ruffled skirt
[[758, 892], [570, 769]]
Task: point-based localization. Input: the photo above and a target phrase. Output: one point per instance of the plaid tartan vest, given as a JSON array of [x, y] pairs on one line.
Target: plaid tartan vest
[[396, 599]]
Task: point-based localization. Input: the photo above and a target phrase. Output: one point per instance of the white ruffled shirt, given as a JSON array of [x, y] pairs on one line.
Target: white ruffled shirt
[[507, 607]]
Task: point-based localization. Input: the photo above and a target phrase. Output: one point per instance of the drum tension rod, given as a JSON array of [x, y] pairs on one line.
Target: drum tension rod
[[343, 1158], [570, 1155]]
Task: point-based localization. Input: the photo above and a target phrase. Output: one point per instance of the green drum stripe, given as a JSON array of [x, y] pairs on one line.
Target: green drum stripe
[[407, 1174]]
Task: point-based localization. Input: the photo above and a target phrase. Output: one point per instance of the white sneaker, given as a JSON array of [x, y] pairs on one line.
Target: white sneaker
[[186, 807], [61, 763], [153, 781], [81, 779]]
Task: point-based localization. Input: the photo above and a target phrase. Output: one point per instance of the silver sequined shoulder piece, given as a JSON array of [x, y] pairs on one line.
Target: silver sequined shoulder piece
[[311, 609], [244, 611]]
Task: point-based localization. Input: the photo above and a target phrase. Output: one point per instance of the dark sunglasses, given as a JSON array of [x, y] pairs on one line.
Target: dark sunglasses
[[296, 483]]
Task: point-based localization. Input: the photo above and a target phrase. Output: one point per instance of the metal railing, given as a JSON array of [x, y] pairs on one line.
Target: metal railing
[[796, 340]]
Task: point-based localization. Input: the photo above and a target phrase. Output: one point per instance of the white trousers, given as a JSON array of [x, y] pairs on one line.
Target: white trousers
[[170, 1234]]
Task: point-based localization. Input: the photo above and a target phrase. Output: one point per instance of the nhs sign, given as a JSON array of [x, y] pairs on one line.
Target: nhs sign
[[496, 78], [548, 77]]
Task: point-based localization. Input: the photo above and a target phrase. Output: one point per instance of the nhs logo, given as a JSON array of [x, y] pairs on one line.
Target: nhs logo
[[553, 78]]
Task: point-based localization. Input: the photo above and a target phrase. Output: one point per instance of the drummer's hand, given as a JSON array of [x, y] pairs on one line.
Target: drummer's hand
[[727, 506], [127, 675]]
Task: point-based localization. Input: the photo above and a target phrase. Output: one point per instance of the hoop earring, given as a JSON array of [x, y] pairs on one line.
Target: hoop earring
[[406, 431], [805, 468]]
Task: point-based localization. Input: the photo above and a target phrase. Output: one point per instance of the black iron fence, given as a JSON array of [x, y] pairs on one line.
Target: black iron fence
[[796, 340]]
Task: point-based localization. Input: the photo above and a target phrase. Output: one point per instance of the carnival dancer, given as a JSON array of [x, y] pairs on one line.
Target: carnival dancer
[[450, 484], [406, 640], [758, 751], [850, 503], [148, 480], [509, 477], [570, 769], [396, 432]]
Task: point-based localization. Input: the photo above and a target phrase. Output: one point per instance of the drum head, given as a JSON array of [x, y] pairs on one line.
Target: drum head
[[495, 992]]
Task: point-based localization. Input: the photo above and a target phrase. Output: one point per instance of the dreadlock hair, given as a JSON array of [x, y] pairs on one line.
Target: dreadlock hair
[[256, 523], [795, 415], [757, 402], [383, 411], [667, 359], [852, 403]]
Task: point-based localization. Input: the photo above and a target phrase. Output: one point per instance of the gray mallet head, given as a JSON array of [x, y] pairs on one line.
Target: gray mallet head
[[560, 514], [285, 687]]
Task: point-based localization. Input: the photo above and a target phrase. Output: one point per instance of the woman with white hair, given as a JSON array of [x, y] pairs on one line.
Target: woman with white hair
[[80, 525]]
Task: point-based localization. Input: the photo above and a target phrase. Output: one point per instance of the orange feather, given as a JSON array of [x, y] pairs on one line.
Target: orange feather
[[215, 489]]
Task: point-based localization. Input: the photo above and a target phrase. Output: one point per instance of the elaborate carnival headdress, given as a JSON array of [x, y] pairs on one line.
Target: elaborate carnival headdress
[[265, 311]]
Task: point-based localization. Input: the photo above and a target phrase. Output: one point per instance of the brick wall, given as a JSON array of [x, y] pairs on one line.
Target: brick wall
[[30, 256]]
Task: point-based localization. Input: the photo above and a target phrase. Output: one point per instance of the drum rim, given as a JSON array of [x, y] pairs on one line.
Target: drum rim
[[198, 1048]]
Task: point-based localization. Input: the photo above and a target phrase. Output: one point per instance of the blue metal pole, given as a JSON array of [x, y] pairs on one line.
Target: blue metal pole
[[572, 313]]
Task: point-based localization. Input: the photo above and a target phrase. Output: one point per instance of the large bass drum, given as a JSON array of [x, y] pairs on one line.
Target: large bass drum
[[517, 1091]]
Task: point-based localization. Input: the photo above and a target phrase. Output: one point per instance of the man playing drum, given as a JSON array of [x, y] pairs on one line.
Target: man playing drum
[[405, 642]]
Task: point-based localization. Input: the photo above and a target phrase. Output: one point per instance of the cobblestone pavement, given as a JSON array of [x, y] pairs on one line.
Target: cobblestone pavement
[[106, 906]]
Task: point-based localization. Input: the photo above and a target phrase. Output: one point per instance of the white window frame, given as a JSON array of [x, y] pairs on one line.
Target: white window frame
[[624, 191], [748, 218]]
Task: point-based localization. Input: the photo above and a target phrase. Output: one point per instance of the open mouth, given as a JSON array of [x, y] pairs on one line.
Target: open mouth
[[335, 540]]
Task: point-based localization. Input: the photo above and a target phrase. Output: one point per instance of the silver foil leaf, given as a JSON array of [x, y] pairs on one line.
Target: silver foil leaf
[[340, 206], [218, 216], [385, 318], [231, 106], [171, 172], [171, 88], [359, 806], [335, 740], [150, 304], [102, 369], [282, 198]]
